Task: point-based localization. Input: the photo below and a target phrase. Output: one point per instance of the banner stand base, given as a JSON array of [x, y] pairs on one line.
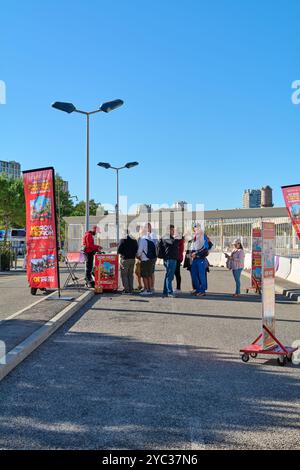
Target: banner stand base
[[56, 297], [284, 353]]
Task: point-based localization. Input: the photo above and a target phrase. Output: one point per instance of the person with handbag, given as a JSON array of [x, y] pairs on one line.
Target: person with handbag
[[235, 262]]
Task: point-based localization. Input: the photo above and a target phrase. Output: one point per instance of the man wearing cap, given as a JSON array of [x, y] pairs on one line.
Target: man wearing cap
[[90, 249]]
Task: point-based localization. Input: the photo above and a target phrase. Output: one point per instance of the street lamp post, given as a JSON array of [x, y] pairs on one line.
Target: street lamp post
[[70, 108], [108, 166]]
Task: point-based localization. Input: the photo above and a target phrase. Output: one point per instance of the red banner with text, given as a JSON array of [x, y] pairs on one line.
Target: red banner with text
[[41, 238], [291, 196]]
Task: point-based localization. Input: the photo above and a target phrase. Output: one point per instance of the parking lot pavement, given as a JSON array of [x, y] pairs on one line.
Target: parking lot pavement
[[128, 372], [15, 293]]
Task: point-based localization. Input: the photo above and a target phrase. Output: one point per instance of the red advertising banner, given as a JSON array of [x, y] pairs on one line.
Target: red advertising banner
[[268, 283], [291, 196], [256, 257], [41, 234], [106, 272]]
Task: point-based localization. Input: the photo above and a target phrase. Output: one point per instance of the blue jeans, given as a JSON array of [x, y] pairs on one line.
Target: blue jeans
[[170, 265], [237, 277], [199, 275]]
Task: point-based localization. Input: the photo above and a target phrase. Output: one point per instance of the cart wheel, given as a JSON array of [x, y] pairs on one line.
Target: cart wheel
[[245, 357], [33, 290], [253, 355], [247, 291], [281, 360], [289, 357]]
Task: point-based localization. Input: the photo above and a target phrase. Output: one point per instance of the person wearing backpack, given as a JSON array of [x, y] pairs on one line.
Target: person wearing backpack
[[147, 253], [169, 252]]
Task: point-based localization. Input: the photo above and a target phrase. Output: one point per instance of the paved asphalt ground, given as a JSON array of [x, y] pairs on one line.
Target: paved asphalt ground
[[15, 293], [135, 373]]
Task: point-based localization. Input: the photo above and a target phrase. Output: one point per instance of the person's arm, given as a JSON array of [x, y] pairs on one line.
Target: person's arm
[[140, 248], [121, 247]]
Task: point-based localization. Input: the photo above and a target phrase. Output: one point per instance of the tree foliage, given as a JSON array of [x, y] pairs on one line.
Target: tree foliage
[[12, 203]]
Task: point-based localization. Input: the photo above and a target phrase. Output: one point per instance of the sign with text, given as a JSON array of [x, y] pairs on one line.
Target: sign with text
[[256, 257], [268, 283], [291, 196], [106, 272], [41, 235]]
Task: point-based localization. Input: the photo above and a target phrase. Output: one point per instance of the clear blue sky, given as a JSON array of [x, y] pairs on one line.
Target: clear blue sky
[[206, 85]]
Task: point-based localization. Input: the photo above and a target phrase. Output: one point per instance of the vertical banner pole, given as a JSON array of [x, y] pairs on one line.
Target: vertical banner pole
[[57, 231]]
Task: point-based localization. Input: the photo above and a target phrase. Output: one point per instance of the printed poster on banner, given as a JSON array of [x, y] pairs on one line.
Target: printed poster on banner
[[291, 196], [256, 257], [268, 283], [41, 238], [106, 272]]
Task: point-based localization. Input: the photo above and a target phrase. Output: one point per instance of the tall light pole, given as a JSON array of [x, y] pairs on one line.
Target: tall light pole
[[70, 108], [108, 166]]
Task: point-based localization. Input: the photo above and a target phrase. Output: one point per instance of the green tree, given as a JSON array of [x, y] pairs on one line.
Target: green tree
[[79, 209], [12, 203], [64, 204]]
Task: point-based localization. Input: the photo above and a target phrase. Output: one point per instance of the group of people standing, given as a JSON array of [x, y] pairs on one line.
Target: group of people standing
[[139, 257]]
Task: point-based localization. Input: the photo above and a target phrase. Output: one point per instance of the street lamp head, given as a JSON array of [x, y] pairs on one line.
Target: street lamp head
[[111, 105], [66, 107], [131, 164], [104, 165]]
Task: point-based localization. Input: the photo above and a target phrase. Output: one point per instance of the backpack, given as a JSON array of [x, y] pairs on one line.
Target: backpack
[[151, 250]]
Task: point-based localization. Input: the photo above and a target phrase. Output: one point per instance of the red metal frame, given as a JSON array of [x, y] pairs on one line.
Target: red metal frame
[[278, 350]]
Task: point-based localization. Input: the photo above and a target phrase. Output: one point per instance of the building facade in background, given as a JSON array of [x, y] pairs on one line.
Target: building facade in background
[[256, 198], [267, 197], [11, 169], [252, 199]]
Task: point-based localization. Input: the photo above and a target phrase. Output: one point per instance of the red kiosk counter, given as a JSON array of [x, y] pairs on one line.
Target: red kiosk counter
[[106, 272]]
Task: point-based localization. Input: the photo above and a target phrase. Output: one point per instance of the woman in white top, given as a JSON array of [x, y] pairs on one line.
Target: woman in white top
[[237, 259]]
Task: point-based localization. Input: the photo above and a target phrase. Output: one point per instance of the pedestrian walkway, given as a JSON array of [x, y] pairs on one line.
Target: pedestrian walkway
[[128, 372]]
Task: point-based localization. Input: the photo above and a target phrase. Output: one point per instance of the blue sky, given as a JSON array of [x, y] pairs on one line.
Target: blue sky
[[206, 86]]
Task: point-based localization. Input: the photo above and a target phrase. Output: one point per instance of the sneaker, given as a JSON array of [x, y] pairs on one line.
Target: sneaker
[[177, 291], [145, 292]]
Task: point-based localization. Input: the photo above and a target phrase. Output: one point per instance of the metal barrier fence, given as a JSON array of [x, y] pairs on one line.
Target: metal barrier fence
[[221, 232]]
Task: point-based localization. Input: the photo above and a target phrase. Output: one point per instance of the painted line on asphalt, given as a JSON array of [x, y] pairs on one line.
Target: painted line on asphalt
[[14, 357], [13, 315]]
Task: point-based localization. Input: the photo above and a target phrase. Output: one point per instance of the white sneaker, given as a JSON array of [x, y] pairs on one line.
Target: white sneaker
[[177, 291], [145, 292]]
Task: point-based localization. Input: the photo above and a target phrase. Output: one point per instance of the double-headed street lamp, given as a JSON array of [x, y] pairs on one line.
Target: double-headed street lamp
[[108, 166], [70, 108]]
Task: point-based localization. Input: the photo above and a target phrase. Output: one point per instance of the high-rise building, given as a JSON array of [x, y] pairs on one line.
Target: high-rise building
[[251, 198], [267, 197], [11, 169]]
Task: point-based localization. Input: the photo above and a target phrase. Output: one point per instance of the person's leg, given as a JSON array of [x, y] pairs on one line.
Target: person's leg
[[153, 274], [170, 272], [202, 276], [195, 275], [130, 274], [178, 275], [165, 291], [123, 274], [89, 267], [237, 277]]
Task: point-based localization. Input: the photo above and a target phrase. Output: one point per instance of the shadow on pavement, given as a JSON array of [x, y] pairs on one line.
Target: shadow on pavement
[[90, 390]]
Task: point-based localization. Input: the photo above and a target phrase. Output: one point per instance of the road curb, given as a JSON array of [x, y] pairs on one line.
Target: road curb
[[291, 294], [14, 357]]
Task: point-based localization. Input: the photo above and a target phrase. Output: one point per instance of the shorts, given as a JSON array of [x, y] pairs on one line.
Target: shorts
[[148, 267]]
